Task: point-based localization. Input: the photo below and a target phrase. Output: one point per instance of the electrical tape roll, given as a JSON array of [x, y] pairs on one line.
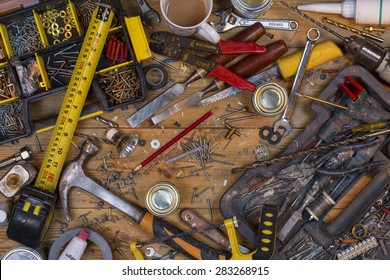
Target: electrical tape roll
[[148, 70], [66, 237]]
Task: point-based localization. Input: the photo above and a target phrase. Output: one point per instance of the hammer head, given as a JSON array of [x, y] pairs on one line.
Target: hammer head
[[73, 175]]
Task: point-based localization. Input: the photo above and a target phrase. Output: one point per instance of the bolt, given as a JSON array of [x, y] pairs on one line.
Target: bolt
[[84, 217], [95, 221], [372, 28], [232, 131]]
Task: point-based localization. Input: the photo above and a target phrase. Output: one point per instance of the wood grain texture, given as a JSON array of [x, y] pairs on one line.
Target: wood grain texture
[[239, 151]]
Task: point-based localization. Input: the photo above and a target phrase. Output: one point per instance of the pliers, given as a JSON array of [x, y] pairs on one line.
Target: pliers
[[190, 51]]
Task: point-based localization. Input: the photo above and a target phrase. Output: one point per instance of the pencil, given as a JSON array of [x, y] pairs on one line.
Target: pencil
[[172, 141]]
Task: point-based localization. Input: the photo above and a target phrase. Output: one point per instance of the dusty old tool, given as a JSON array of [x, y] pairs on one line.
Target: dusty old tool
[[23, 154], [147, 13], [352, 29], [230, 20], [284, 122], [245, 67], [364, 51], [250, 34], [285, 67], [185, 49], [17, 177], [32, 212], [74, 176]]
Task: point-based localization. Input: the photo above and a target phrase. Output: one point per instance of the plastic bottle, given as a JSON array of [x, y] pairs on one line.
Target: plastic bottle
[[76, 247], [363, 11]]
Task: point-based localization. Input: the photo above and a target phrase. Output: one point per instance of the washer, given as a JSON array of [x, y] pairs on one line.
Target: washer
[[155, 144]]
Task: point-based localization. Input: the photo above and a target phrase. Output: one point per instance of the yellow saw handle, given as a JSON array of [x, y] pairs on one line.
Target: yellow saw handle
[[322, 52]]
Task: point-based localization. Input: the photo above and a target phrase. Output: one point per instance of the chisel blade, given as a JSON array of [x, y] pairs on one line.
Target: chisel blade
[[257, 79], [184, 103], [156, 104]]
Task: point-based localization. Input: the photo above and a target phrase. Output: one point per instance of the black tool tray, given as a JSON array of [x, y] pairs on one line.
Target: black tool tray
[[53, 75], [231, 206]]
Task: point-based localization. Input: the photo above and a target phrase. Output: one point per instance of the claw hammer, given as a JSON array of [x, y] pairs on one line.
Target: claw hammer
[[74, 176]]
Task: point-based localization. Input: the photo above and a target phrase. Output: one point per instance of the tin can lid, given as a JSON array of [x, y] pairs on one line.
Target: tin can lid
[[270, 99], [22, 253], [162, 199]]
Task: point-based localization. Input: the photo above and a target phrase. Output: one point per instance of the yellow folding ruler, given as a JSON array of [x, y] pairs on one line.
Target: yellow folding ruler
[[32, 212]]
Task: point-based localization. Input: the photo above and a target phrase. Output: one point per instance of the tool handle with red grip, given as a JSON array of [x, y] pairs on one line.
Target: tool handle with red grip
[[249, 34], [186, 245], [253, 63], [231, 78], [234, 47]]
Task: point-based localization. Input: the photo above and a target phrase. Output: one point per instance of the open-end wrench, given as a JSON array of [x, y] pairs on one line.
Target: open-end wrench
[[230, 20], [152, 253], [147, 13], [284, 122]]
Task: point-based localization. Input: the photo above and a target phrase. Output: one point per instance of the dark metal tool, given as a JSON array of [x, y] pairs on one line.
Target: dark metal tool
[[182, 48], [364, 51], [230, 20], [147, 13], [74, 176], [250, 34], [23, 154]]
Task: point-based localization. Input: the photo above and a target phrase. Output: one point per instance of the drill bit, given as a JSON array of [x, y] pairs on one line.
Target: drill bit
[[92, 138], [105, 121], [257, 164], [352, 29], [346, 40]]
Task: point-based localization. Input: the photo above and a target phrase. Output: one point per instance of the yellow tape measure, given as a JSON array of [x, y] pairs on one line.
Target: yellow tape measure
[[74, 100], [33, 210]]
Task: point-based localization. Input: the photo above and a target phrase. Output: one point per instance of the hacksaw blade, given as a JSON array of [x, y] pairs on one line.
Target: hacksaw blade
[[257, 79]]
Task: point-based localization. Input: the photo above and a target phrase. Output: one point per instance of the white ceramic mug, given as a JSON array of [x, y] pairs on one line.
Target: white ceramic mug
[[202, 27]]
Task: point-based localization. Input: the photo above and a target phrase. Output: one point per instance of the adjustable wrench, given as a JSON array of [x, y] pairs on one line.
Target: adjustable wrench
[[284, 122], [230, 20], [147, 13]]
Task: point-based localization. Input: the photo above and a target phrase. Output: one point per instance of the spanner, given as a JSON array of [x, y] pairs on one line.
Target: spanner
[[152, 253], [284, 122], [230, 20], [147, 13]]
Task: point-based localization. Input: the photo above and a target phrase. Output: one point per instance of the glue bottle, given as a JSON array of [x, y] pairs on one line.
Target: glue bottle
[[76, 247], [363, 11]]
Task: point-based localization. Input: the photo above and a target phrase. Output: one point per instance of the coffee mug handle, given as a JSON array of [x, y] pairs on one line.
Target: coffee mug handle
[[209, 33]]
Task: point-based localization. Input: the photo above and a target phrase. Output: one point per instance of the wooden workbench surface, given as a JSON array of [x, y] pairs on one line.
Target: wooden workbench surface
[[237, 152]]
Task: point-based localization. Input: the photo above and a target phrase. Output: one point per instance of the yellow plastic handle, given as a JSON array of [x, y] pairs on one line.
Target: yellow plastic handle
[[136, 251], [322, 52], [236, 252]]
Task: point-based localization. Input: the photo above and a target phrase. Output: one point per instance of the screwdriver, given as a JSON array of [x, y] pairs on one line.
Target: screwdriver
[[367, 127], [364, 51]]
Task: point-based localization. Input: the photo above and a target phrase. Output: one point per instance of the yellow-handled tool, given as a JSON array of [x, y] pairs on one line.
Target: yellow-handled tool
[[33, 210], [322, 53]]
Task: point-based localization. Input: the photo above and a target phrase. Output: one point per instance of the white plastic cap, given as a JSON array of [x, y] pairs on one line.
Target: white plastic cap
[[346, 9], [110, 133]]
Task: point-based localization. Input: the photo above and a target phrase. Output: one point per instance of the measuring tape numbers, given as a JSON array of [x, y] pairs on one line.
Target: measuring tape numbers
[[32, 212]]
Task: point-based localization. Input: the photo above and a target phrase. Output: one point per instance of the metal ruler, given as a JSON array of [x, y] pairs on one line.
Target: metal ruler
[[28, 221]]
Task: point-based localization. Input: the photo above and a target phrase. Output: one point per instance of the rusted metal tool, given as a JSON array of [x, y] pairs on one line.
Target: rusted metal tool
[[147, 13], [74, 176], [182, 48], [230, 20]]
